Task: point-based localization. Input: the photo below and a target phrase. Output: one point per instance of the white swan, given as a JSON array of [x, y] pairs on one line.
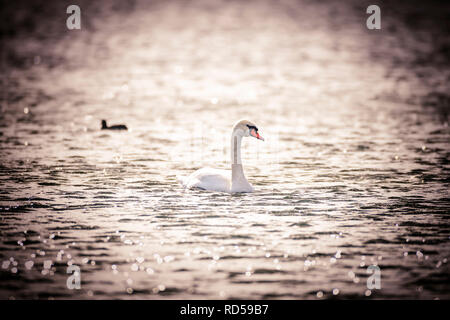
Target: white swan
[[219, 180]]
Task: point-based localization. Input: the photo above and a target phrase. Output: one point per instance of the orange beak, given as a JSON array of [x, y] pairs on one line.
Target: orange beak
[[256, 135], [259, 137]]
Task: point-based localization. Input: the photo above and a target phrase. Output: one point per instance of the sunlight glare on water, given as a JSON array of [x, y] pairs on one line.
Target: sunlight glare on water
[[353, 171]]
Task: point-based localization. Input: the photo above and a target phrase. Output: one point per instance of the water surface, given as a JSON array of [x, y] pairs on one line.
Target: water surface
[[354, 170]]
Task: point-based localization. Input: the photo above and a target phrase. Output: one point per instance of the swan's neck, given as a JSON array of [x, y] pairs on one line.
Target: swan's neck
[[239, 182], [236, 139]]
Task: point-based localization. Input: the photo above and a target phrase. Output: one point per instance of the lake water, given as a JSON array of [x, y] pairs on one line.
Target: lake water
[[354, 171]]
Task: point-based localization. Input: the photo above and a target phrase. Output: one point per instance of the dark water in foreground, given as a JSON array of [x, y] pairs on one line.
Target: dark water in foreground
[[354, 171]]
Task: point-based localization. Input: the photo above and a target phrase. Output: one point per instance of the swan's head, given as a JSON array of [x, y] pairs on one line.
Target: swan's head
[[104, 124], [248, 129]]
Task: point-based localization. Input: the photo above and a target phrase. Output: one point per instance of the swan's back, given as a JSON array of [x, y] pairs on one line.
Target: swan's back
[[209, 179]]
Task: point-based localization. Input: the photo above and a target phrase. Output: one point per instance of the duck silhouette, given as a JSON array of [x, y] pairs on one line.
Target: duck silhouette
[[114, 127]]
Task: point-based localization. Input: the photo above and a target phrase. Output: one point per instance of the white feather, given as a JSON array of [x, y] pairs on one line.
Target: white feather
[[208, 179]]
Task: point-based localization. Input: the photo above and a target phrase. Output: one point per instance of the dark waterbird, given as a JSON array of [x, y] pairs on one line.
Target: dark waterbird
[[114, 127]]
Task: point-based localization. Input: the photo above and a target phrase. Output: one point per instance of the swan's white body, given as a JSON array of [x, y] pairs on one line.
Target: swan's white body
[[209, 179], [224, 180]]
